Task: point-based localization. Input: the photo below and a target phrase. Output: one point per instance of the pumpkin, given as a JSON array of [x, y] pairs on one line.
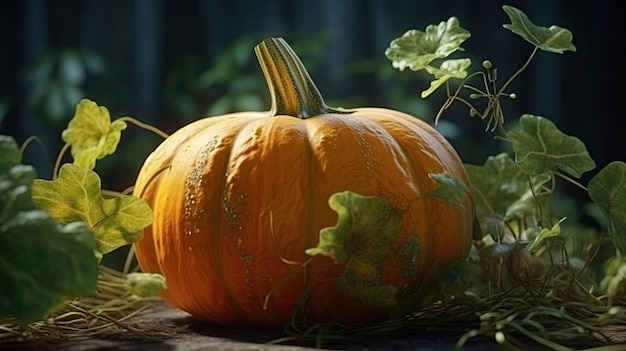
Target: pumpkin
[[305, 212]]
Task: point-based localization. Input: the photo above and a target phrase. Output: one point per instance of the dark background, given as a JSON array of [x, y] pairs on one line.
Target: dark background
[[169, 62]]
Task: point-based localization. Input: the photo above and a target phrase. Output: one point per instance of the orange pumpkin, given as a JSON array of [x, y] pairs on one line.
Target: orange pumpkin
[[241, 205]]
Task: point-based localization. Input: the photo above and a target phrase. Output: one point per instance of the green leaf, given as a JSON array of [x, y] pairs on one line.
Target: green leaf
[[448, 69], [145, 284], [363, 239], [546, 233], [75, 196], [501, 187], [541, 148], [553, 39], [416, 49], [42, 263], [450, 189], [607, 189], [91, 133], [10, 154], [15, 180]]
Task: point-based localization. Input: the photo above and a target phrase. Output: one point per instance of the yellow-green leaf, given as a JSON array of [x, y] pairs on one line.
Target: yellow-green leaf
[[546, 233], [145, 284], [416, 49], [614, 281], [448, 69], [91, 133], [75, 196]]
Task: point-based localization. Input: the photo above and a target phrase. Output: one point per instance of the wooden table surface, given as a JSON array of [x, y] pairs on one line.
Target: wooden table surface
[[169, 329]]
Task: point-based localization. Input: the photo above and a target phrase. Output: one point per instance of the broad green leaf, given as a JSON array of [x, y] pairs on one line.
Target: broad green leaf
[[546, 233], [145, 284], [15, 180], [9, 153], [42, 263], [552, 39], [450, 189], [607, 189], [91, 133], [416, 49], [541, 148], [448, 69], [75, 196], [501, 187], [363, 239]]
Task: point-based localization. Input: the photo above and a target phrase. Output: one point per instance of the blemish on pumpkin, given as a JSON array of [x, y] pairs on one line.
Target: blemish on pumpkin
[[193, 182], [244, 256], [233, 214], [367, 149], [241, 198]]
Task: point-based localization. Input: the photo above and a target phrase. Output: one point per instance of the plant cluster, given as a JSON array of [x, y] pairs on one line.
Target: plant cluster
[[54, 233], [524, 252]]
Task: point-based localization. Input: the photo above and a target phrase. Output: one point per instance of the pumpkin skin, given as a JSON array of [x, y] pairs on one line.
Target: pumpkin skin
[[239, 198]]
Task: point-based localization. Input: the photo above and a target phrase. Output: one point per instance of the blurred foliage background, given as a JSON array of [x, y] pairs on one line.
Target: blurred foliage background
[[169, 62]]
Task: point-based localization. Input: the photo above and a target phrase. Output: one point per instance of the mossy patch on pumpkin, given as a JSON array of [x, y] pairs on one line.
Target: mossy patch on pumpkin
[[362, 239]]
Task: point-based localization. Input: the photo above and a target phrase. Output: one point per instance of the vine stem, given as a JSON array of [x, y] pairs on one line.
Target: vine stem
[[571, 180], [129, 259], [518, 72], [31, 139], [57, 164], [111, 193], [455, 96], [145, 126]]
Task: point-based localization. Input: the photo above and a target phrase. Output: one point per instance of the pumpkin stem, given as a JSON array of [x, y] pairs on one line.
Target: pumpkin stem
[[292, 90]]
